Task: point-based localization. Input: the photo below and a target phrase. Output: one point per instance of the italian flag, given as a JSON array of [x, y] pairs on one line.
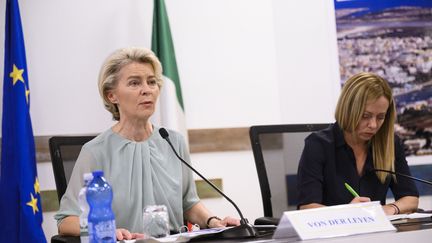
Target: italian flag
[[170, 110]]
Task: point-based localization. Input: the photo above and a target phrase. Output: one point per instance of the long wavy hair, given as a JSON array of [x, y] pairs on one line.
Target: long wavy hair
[[357, 91]]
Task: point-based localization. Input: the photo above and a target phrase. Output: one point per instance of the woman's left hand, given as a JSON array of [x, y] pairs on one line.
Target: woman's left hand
[[227, 221], [389, 210]]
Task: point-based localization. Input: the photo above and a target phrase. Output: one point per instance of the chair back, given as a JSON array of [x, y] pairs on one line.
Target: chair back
[[277, 150], [64, 151]]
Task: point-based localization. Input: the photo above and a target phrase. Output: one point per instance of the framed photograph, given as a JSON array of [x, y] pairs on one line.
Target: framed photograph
[[393, 38]]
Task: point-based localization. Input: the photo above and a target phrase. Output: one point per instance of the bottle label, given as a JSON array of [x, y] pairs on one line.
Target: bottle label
[[102, 231], [83, 223], [84, 239]]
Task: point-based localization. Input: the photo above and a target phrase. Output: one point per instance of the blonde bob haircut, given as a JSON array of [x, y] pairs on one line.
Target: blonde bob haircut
[[108, 76], [356, 93]]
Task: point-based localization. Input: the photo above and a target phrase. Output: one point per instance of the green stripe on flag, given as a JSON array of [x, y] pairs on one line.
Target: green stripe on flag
[[163, 47]]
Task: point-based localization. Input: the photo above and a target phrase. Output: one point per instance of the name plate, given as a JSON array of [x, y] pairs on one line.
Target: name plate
[[333, 221]]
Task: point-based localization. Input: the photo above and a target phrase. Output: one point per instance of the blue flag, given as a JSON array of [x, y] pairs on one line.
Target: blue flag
[[20, 204]]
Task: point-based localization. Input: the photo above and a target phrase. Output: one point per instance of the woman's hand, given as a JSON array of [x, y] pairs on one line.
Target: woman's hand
[[124, 234], [227, 221], [389, 210], [360, 200]]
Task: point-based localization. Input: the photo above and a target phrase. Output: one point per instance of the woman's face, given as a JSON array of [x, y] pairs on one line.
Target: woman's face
[[136, 92], [372, 119]]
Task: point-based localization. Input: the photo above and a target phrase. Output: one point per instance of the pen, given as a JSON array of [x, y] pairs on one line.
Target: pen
[[350, 189]]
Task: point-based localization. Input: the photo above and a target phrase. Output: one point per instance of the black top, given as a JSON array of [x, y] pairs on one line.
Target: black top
[[327, 162]]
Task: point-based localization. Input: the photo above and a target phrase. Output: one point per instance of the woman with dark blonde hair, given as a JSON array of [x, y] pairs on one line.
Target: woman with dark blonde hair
[[361, 140]]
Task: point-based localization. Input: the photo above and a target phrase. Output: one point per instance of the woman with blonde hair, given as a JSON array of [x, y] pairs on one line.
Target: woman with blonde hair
[[348, 151], [137, 162]]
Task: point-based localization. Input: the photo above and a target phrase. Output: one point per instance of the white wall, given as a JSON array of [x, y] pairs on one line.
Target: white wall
[[241, 63], [307, 60]]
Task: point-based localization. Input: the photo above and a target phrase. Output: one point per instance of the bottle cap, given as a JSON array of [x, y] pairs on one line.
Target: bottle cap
[[98, 173], [88, 176]]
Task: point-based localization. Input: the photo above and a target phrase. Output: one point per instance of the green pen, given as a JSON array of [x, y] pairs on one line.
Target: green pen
[[350, 189]]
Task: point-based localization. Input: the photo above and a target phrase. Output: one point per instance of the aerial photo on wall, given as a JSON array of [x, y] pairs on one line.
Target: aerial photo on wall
[[393, 38]]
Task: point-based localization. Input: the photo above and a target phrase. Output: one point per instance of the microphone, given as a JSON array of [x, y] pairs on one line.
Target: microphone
[[245, 229], [403, 175]]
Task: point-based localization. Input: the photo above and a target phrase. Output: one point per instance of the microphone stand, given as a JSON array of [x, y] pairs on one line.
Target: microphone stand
[[245, 229]]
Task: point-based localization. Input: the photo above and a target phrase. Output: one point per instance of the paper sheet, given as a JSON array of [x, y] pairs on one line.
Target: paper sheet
[[409, 216], [183, 237]]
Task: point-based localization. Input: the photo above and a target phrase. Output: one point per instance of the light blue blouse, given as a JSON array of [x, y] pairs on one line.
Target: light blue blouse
[[140, 173]]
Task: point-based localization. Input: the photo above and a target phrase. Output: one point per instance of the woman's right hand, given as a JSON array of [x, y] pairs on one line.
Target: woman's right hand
[[360, 200]]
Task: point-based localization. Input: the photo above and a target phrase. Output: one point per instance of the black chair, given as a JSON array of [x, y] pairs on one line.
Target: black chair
[[277, 150], [64, 152]]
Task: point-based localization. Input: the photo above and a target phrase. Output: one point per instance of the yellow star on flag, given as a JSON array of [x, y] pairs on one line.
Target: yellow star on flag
[[33, 203], [27, 94], [37, 186], [16, 74]]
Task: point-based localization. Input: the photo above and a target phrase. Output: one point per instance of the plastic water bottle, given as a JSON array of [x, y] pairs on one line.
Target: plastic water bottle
[[82, 201], [101, 222]]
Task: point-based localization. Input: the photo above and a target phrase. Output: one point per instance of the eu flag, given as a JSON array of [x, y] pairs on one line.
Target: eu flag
[[20, 203]]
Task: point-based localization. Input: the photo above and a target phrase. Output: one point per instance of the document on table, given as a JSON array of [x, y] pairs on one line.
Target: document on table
[[181, 237], [409, 216]]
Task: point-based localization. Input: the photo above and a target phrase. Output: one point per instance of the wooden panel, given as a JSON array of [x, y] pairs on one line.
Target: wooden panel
[[219, 139], [49, 201], [200, 141], [204, 190], [42, 148]]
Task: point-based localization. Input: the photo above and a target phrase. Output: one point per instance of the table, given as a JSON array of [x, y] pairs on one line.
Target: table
[[419, 232]]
